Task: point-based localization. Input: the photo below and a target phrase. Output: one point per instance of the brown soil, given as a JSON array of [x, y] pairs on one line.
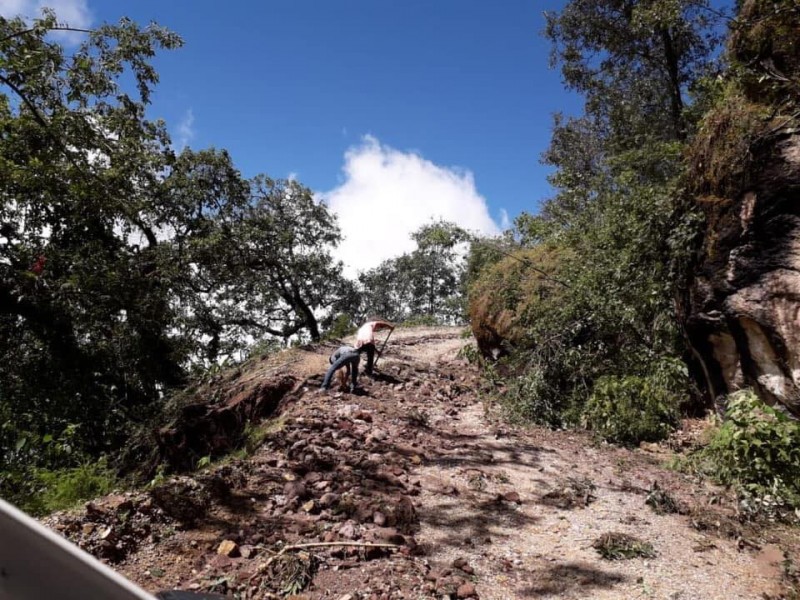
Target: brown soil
[[411, 490]]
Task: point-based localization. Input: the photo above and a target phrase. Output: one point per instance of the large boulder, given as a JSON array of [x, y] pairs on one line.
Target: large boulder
[[741, 309]]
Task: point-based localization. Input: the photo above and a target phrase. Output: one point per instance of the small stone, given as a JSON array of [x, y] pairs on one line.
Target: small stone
[[461, 563], [309, 506], [106, 533], [220, 561], [348, 530], [228, 548], [512, 497], [248, 551], [363, 416], [389, 535], [379, 518], [118, 503], [295, 489], [466, 590], [88, 528], [313, 477], [328, 500]]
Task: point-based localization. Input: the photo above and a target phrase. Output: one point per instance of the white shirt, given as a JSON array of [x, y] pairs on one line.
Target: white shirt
[[366, 334]]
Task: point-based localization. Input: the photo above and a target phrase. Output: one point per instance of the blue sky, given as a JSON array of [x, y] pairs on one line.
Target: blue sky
[[288, 85], [393, 111]]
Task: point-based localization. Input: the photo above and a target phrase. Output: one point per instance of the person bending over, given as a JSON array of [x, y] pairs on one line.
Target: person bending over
[[365, 339], [345, 357]]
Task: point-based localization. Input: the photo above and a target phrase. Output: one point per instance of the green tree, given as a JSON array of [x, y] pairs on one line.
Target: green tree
[[291, 236], [122, 264], [438, 270], [633, 61], [388, 289], [81, 316], [427, 281], [618, 175]]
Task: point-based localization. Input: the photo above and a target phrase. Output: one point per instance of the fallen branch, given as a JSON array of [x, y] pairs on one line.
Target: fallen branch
[[263, 567]]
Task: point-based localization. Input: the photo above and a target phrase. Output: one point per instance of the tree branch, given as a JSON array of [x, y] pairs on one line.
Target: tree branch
[[524, 261], [56, 28]]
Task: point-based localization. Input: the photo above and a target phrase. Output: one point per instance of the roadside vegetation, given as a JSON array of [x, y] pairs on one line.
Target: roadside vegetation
[[577, 309], [129, 270]]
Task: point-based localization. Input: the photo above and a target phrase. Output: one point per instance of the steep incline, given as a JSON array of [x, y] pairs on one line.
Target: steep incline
[[412, 491]]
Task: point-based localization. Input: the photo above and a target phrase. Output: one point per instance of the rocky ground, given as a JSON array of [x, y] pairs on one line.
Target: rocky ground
[[412, 490]]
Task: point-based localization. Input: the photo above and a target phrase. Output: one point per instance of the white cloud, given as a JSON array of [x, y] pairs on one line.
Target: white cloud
[[505, 222], [13, 8], [72, 13], [185, 130], [387, 194]]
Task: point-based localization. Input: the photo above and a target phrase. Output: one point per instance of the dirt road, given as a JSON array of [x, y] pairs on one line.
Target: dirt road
[[412, 491]]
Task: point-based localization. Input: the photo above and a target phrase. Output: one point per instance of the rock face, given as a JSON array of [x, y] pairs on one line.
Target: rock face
[[744, 313], [206, 428], [742, 306]]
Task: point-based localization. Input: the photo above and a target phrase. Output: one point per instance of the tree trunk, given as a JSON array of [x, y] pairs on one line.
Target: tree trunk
[[676, 98]]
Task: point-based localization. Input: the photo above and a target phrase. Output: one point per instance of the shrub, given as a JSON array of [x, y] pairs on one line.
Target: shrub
[[50, 490], [631, 409], [621, 546], [420, 320], [470, 353], [757, 451], [340, 327], [534, 397]]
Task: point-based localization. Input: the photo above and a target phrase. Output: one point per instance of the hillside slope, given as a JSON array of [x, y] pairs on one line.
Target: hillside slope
[[412, 491]]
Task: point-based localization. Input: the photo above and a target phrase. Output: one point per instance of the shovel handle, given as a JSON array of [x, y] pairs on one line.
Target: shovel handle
[[380, 352]]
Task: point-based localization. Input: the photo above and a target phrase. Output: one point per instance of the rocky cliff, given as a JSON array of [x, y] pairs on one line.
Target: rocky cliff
[[742, 305]]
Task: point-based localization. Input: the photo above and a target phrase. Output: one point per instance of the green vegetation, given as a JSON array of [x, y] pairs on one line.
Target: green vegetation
[[757, 451], [621, 546], [256, 434], [423, 287], [628, 410], [580, 297], [44, 491]]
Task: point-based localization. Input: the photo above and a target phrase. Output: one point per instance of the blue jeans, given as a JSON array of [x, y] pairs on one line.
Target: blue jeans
[[349, 360], [369, 349]]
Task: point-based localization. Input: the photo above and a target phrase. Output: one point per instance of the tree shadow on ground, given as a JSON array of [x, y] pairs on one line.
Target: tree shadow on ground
[[385, 378], [471, 451], [567, 579], [474, 523]]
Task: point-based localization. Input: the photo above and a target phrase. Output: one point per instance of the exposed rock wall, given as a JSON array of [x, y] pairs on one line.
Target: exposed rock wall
[[742, 311], [204, 428]]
